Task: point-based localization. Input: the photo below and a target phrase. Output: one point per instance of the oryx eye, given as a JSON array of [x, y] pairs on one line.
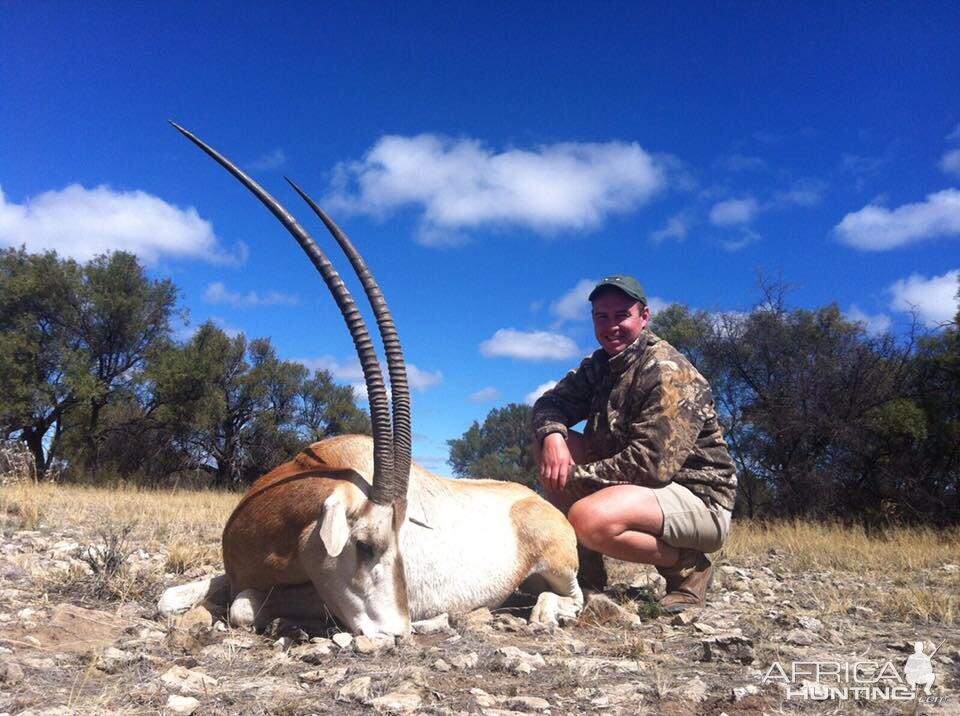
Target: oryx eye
[[364, 551]]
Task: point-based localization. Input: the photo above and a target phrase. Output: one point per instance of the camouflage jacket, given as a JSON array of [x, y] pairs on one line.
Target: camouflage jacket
[[650, 419]]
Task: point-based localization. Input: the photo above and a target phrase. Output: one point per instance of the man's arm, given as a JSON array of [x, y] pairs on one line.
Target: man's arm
[[567, 403], [662, 432]]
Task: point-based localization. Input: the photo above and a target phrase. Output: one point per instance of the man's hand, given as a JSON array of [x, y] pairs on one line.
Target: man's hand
[[555, 460]]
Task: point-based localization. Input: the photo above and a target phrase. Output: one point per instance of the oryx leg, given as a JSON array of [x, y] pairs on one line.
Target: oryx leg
[[186, 596], [552, 544], [299, 604]]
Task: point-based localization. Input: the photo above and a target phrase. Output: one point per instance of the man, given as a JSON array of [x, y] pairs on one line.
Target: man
[[650, 480]]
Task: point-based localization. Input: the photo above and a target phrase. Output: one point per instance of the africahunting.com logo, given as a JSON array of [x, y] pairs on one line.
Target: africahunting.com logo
[[830, 680]]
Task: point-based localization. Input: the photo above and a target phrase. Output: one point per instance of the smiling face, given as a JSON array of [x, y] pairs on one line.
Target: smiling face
[[618, 319]]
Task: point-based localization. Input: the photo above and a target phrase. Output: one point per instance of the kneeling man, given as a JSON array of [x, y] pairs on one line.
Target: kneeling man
[[650, 479]]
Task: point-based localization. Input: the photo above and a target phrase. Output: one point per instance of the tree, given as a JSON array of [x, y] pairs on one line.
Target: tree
[[499, 449], [236, 410], [71, 337]]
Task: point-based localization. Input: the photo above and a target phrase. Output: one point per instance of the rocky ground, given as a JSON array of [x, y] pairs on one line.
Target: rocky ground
[[67, 646]]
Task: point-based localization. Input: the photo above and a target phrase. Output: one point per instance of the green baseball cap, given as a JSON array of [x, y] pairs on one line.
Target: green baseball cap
[[628, 284]]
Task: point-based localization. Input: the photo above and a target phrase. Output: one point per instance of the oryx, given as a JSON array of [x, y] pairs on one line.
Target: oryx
[[351, 525]]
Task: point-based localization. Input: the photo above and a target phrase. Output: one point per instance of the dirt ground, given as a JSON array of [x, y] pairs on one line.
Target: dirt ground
[[77, 640]]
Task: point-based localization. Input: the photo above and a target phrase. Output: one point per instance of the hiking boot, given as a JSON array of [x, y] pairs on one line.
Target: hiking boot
[[687, 582], [592, 573]]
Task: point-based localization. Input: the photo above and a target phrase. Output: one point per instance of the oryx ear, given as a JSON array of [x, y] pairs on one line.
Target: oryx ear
[[334, 529]]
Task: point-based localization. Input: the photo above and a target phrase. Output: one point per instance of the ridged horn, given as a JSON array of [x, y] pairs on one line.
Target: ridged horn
[[383, 482], [402, 429]]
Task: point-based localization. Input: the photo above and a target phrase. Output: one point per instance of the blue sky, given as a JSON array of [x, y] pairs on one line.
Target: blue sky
[[491, 161]]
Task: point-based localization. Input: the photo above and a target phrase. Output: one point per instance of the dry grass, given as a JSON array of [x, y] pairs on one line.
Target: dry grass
[[181, 519], [899, 572], [813, 546]]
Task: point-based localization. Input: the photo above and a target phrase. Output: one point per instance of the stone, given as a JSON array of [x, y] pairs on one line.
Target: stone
[[328, 677], [741, 692], [372, 644], [694, 690], [727, 647], [187, 681], [483, 699], [685, 618], [342, 639], [600, 610], [441, 666], [40, 663], [11, 673], [465, 661], [509, 623], [810, 623], [183, 641], [184, 705], [705, 628], [283, 644], [316, 652], [398, 702], [357, 690], [527, 704], [477, 620], [439, 624], [197, 618], [512, 659], [799, 637], [113, 659], [590, 666]]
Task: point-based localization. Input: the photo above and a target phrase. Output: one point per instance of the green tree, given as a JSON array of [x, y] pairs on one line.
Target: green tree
[[499, 449], [72, 337]]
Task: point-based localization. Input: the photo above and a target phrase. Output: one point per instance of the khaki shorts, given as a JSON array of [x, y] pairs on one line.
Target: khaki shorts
[[689, 522]]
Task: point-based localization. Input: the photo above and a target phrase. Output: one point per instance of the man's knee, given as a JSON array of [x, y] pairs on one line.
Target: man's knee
[[591, 529]]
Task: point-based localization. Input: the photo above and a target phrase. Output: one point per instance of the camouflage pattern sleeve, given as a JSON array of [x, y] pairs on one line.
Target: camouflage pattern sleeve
[[661, 431], [568, 402]]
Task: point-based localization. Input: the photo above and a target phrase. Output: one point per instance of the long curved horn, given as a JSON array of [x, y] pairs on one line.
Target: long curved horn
[[383, 481], [396, 365]]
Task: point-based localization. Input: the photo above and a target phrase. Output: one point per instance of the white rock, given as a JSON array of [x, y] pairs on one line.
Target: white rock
[[342, 639], [187, 681], [397, 702], [439, 624], [185, 705], [356, 690], [526, 703], [512, 659]]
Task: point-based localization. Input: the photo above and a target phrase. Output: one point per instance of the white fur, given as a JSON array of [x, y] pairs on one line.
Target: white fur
[[459, 544]]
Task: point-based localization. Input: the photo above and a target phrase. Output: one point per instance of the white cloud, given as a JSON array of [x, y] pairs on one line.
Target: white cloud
[[950, 162], [271, 161], [531, 397], [217, 292], [230, 330], [934, 299], [573, 305], [484, 395], [874, 324], [747, 236], [804, 192], [676, 227], [349, 371], [82, 223], [422, 379], [461, 184], [876, 228], [528, 345], [657, 304], [742, 163], [733, 211]]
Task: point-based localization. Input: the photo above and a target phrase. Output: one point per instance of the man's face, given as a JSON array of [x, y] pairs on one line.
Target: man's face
[[617, 320]]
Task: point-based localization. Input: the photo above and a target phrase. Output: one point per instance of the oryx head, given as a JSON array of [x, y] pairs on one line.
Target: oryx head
[[363, 580]]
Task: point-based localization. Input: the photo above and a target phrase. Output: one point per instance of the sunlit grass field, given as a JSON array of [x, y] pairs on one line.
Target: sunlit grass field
[[909, 574]]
